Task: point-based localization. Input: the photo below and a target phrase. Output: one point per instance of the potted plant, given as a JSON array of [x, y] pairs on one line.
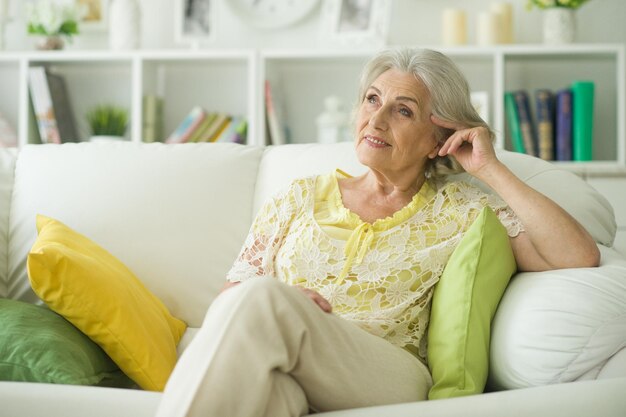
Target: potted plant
[[52, 22], [108, 122]]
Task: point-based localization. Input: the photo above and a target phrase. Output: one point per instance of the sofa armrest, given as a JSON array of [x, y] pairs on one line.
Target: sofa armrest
[[559, 326]]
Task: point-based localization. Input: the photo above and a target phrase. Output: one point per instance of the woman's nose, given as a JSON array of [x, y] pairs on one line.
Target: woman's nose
[[380, 118]]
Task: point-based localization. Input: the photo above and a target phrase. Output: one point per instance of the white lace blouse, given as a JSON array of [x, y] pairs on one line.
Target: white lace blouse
[[377, 275]]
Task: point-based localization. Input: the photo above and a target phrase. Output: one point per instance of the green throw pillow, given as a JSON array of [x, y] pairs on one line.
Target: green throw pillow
[[38, 345], [464, 303]]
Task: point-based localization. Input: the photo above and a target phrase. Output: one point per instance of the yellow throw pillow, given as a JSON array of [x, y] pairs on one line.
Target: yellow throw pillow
[[101, 297]]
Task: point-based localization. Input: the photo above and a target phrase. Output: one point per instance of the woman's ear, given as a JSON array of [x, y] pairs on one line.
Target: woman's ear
[[433, 154]]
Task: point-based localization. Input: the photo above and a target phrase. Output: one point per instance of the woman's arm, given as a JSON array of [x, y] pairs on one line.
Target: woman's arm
[[553, 238]]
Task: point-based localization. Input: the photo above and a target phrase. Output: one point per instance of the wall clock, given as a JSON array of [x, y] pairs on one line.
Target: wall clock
[[272, 14]]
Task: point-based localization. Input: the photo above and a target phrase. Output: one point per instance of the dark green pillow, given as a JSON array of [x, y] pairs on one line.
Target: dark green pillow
[[38, 345]]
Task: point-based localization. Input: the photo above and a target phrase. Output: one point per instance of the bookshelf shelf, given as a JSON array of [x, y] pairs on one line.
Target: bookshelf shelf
[[233, 81]]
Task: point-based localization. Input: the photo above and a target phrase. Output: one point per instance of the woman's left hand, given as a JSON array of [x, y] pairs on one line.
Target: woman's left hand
[[471, 147]]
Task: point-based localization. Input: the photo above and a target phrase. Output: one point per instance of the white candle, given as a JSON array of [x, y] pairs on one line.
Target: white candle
[[505, 11], [488, 28], [454, 27]]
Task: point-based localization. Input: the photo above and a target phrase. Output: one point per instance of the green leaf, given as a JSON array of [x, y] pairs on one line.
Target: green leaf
[[69, 27]]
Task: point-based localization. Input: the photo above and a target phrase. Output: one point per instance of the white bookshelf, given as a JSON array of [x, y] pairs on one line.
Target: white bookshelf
[[232, 81]]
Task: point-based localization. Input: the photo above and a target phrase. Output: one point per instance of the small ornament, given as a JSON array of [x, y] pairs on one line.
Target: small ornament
[[332, 124]]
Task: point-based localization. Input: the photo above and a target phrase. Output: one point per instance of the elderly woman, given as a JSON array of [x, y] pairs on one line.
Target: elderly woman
[[338, 271]]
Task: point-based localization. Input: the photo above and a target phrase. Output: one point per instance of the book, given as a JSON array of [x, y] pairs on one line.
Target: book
[[563, 125], [241, 132], [235, 132], [274, 117], [185, 129], [152, 118], [513, 122], [582, 120], [42, 105], [544, 107], [526, 124], [202, 128], [66, 123], [218, 124], [8, 137]]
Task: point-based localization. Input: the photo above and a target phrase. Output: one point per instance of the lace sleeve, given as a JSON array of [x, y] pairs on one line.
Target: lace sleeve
[[266, 234], [474, 198]]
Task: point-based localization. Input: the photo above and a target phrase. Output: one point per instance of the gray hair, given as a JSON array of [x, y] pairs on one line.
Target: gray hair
[[448, 89]]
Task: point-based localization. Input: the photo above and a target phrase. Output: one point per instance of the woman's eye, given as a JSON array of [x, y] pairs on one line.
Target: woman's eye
[[406, 112], [372, 98]]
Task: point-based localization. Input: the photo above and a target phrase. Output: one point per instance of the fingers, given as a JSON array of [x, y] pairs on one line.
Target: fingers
[[317, 298], [455, 141]]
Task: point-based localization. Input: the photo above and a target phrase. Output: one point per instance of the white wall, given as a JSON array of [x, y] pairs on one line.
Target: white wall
[[412, 22]]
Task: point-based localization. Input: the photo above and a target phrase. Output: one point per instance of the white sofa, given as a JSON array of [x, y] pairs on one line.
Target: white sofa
[[177, 215]]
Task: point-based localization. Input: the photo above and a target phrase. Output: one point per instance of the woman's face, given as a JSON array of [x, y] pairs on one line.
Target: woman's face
[[394, 131]]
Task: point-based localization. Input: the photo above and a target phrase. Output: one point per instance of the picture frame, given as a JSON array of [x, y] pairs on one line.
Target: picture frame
[[480, 101], [96, 15], [195, 21], [356, 23]]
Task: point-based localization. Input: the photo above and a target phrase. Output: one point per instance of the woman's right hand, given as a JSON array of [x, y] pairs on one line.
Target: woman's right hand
[[317, 299]]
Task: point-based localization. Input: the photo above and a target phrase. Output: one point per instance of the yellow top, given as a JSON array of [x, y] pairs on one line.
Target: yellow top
[[378, 275]]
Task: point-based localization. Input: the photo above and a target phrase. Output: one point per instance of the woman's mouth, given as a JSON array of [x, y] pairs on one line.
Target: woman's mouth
[[376, 142]]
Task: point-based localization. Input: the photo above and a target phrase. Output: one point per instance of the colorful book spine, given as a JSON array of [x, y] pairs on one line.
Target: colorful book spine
[[66, 123], [198, 134], [274, 124], [217, 127], [513, 122], [241, 132], [527, 127], [186, 128], [42, 105], [236, 131], [563, 125], [544, 100], [152, 118], [582, 120]]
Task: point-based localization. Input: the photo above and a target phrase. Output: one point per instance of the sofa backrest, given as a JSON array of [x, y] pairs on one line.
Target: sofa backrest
[[281, 164], [177, 215]]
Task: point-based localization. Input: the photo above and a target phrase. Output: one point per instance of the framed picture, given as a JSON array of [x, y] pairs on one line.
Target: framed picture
[[194, 21], [94, 15], [480, 101], [356, 22]]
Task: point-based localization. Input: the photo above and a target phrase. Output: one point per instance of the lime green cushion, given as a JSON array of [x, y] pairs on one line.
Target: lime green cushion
[[38, 345], [464, 303]]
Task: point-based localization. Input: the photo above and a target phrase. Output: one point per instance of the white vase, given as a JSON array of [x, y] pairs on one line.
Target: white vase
[[124, 24], [559, 25]]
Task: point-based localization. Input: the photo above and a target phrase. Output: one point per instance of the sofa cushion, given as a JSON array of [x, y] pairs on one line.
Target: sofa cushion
[[282, 164], [38, 345], [590, 208], [102, 297], [464, 302], [559, 326], [176, 215]]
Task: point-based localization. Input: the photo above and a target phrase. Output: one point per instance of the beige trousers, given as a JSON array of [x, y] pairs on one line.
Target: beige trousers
[[266, 349]]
